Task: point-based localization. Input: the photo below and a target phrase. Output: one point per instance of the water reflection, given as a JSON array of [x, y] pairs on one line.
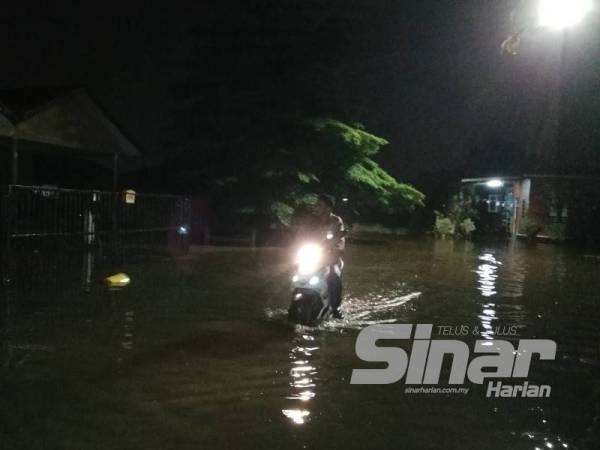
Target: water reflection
[[488, 274], [486, 318], [298, 416], [514, 272], [6, 328], [128, 329], [543, 441], [303, 375]]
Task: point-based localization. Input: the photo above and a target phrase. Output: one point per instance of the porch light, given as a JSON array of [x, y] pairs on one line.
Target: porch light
[[495, 183]]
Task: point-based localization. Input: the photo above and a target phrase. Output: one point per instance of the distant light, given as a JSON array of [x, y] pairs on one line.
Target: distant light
[[495, 183], [561, 14], [182, 230], [295, 278], [313, 281], [345, 199]]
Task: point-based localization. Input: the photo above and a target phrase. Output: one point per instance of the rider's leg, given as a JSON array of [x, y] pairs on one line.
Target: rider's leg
[[335, 290]]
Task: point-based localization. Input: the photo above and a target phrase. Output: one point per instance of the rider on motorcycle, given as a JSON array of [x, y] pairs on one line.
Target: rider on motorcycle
[[330, 227]]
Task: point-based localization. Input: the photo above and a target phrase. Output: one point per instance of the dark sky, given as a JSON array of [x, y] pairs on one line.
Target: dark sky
[[428, 75]]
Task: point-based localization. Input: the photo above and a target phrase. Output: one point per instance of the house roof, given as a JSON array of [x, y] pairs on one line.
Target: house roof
[[62, 117], [17, 104]]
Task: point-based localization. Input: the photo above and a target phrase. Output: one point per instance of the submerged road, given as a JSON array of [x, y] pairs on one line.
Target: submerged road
[[198, 353]]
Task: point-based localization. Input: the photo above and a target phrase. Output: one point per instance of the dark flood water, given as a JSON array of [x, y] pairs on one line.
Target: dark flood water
[[199, 354]]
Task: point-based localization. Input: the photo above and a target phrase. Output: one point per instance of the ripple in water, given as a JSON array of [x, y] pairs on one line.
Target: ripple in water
[[359, 312], [376, 308], [544, 441]]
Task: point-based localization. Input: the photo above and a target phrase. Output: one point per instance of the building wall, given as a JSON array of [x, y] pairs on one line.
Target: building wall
[[559, 207], [537, 209], [521, 196], [550, 200]]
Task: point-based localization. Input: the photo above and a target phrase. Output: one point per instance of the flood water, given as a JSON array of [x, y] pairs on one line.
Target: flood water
[[198, 353]]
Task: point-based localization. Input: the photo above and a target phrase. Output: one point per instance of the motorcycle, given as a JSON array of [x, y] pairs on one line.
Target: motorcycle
[[311, 290]]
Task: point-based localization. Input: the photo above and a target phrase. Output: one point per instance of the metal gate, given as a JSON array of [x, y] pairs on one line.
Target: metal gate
[[48, 232]]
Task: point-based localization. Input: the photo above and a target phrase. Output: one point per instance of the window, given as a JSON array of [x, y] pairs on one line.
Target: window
[[493, 203], [558, 214]]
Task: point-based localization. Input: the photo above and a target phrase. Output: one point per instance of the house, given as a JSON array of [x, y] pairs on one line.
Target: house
[[61, 137], [555, 207]]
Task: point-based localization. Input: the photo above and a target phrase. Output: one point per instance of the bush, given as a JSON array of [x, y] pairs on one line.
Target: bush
[[458, 221], [556, 231], [443, 226], [466, 228], [531, 228]]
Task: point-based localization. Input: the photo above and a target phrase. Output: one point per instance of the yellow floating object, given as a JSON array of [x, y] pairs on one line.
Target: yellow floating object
[[118, 280]]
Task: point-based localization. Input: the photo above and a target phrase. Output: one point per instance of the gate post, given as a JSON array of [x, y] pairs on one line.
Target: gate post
[[5, 234]]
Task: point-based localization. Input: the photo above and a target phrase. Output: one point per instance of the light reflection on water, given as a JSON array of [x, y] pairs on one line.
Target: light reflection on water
[[303, 375], [488, 274], [129, 327], [487, 318]]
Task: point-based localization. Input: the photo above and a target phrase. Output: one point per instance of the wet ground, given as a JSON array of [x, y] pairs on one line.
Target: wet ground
[[198, 353]]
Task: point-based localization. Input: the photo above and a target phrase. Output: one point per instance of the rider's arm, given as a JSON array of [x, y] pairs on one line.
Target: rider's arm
[[339, 233]]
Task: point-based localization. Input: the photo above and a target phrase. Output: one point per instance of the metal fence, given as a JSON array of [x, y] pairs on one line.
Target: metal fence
[[49, 232]]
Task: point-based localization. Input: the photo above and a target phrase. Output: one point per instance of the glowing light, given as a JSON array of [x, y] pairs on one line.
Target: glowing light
[[313, 281], [495, 183], [308, 258], [561, 14]]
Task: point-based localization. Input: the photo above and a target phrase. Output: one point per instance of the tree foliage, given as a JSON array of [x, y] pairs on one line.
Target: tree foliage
[[307, 156]]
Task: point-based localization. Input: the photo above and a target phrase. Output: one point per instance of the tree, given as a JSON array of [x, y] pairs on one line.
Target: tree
[[302, 157]]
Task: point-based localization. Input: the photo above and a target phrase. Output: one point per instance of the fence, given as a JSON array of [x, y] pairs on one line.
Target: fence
[[48, 232]]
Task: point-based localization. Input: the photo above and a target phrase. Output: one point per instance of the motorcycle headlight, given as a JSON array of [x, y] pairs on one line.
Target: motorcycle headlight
[[308, 258]]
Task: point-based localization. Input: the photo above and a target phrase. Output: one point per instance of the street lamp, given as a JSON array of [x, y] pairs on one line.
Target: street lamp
[[561, 14]]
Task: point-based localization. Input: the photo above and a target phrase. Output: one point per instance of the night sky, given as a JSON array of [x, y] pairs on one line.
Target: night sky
[[428, 76]]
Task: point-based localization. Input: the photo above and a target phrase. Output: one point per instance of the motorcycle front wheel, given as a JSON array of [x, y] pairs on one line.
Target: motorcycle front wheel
[[305, 309]]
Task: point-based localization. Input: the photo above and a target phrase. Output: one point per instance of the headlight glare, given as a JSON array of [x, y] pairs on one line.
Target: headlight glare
[[308, 258]]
